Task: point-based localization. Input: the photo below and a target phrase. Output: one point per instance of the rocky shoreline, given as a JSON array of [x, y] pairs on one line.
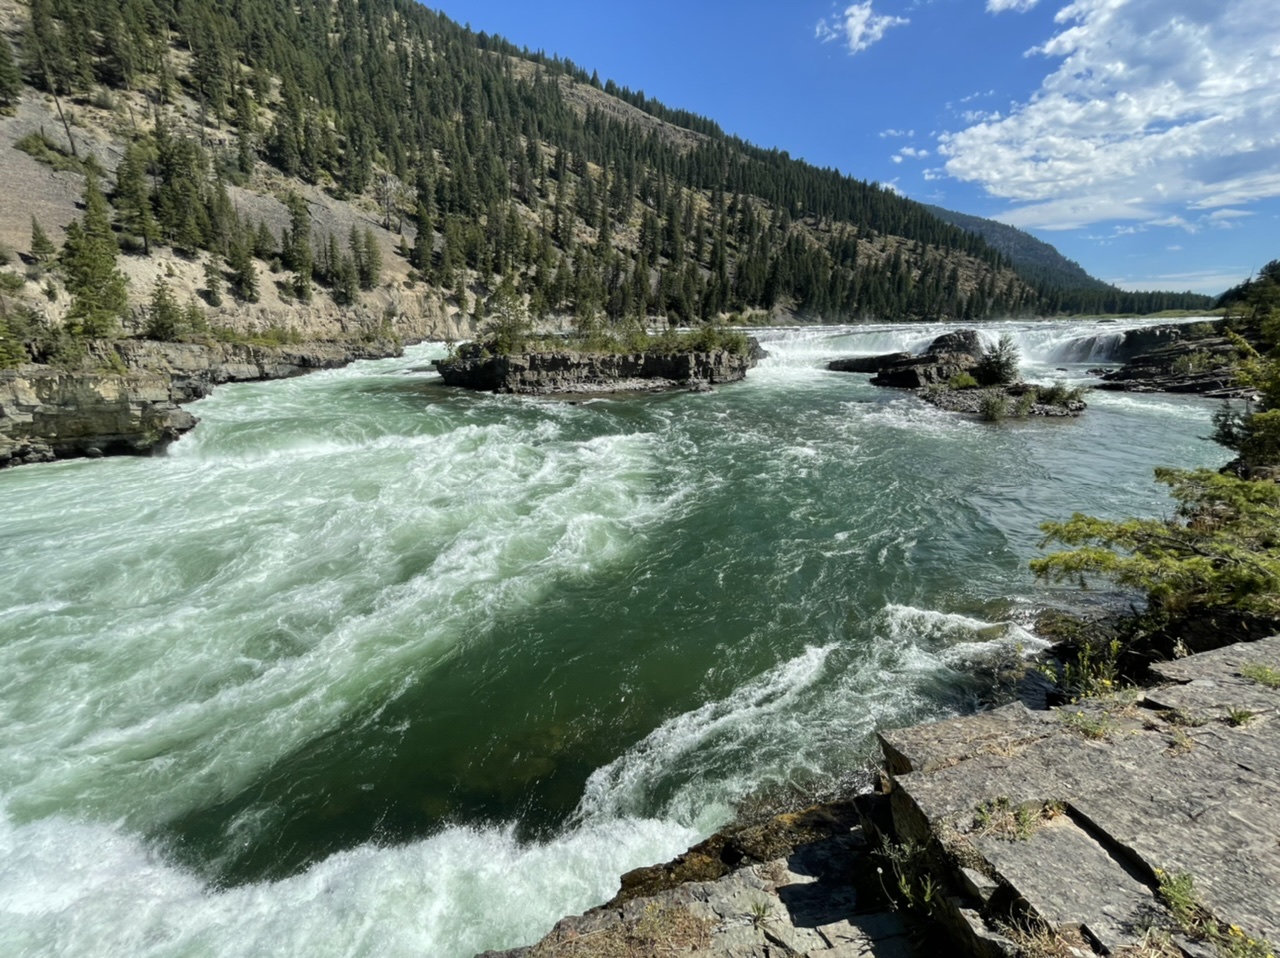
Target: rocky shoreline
[[567, 371], [134, 408], [996, 834], [1198, 359]]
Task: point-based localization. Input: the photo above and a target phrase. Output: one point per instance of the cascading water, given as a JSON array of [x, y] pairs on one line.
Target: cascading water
[[365, 665]]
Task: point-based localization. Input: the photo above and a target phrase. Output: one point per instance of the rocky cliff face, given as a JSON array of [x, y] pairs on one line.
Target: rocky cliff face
[[48, 414], [572, 372]]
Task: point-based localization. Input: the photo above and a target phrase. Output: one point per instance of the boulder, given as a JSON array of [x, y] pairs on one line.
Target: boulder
[[962, 342]]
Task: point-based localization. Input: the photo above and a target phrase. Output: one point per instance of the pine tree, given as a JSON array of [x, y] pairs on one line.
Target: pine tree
[[42, 248], [10, 76], [297, 248], [132, 199], [244, 274], [369, 260], [12, 351], [97, 288], [213, 281], [164, 317]]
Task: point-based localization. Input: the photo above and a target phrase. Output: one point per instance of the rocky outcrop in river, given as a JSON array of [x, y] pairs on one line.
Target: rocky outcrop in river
[[568, 371], [130, 404], [1197, 359], [947, 356]]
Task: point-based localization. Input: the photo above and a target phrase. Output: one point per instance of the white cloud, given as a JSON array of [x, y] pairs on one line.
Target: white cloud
[[859, 27], [892, 187], [1155, 108], [1018, 6], [912, 152], [884, 134], [1206, 281]]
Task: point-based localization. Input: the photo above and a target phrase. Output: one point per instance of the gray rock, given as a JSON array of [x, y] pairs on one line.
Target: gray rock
[[562, 372]]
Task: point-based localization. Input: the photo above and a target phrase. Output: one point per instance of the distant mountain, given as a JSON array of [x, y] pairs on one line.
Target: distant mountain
[[1036, 261]]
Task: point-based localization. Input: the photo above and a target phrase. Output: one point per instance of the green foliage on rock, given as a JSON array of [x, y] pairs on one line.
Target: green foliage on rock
[[1221, 549], [1254, 432], [998, 365]]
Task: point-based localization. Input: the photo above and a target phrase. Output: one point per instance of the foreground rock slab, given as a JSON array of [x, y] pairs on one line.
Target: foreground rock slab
[[1068, 818], [813, 893]]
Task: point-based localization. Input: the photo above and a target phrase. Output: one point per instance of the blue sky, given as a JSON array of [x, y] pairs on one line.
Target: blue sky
[[1140, 137]]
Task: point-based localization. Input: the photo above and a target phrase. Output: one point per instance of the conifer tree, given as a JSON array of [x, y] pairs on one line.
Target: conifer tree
[[213, 281], [369, 262], [12, 351], [297, 249], [132, 199], [42, 248], [10, 76], [97, 288], [244, 274], [164, 317]]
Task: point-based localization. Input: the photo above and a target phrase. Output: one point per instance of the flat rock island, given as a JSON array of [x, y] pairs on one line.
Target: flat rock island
[[564, 370]]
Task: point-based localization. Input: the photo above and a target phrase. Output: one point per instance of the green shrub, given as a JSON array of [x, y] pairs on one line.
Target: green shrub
[[1193, 363], [41, 148], [12, 282], [999, 363], [994, 406], [962, 381], [1059, 394], [1023, 405]]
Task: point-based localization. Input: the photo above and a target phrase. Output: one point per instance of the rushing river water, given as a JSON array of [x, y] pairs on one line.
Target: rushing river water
[[368, 667]]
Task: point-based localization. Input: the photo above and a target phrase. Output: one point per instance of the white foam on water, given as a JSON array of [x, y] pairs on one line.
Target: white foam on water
[[70, 889], [1191, 408]]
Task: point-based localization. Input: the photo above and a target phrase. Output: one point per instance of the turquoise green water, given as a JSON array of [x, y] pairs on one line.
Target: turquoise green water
[[364, 666]]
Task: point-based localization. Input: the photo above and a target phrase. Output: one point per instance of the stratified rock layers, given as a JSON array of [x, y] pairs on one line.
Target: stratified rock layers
[[48, 413], [566, 371]]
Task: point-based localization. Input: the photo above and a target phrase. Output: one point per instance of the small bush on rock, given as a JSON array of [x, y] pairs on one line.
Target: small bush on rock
[[994, 406], [962, 381], [999, 363]]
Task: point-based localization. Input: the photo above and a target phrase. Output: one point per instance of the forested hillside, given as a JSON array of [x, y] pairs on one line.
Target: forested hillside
[[484, 162]]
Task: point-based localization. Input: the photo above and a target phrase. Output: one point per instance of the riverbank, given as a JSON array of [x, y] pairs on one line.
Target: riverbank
[[128, 402], [1155, 807]]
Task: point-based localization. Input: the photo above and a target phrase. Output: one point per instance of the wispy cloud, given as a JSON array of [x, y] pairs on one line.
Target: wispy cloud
[[1019, 6], [858, 27], [886, 134], [1155, 108], [1209, 281]]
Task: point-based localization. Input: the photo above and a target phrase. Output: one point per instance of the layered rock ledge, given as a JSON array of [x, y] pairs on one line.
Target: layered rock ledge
[[130, 406], [1066, 820], [1199, 359], [567, 371]]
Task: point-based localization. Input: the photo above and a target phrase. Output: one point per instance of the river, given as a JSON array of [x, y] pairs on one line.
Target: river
[[367, 667]]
